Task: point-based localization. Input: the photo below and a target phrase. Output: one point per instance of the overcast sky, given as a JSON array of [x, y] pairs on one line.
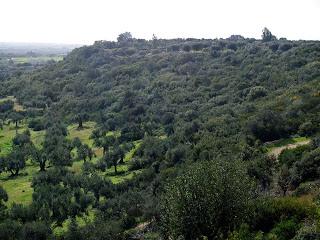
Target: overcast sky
[[84, 21]]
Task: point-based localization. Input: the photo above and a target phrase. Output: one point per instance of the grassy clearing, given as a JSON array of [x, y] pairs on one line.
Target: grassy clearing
[[83, 134], [9, 131], [123, 169], [122, 176], [284, 142], [81, 221], [19, 188], [275, 148]]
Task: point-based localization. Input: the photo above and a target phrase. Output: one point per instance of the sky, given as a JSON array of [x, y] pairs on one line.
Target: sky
[[84, 21]]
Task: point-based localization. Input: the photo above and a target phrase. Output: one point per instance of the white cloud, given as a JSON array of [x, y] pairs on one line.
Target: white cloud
[[84, 21]]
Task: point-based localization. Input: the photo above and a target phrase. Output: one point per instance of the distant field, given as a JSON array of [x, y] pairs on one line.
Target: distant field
[[37, 59]]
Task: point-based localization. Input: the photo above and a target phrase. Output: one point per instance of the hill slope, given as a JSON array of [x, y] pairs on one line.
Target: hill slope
[[176, 102]]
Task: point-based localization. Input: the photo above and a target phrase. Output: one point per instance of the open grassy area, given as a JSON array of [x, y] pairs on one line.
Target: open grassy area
[[286, 141], [123, 169], [81, 221], [9, 131], [83, 134], [275, 148], [19, 188]]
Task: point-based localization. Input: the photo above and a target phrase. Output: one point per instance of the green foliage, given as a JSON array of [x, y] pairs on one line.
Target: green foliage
[[16, 160], [3, 200], [57, 147], [257, 92], [268, 126], [307, 168], [269, 212], [6, 106], [290, 156], [267, 35], [154, 107], [124, 37], [307, 128], [208, 200], [35, 231], [10, 230], [261, 169], [286, 229]]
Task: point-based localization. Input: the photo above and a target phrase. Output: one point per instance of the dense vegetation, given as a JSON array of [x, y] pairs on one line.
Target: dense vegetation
[[185, 125]]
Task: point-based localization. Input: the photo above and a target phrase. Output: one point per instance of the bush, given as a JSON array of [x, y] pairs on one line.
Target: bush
[[268, 126], [135, 164], [307, 128], [307, 188], [10, 230], [36, 231], [36, 124], [269, 212], [286, 229], [101, 165], [290, 156], [257, 92], [308, 168], [209, 199]]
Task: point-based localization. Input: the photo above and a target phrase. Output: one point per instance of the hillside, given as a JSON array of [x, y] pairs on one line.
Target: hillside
[[148, 81], [158, 134]]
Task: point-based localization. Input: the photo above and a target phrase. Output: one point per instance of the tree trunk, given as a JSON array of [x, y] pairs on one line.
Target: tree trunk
[[42, 166], [80, 124], [104, 151], [115, 169]]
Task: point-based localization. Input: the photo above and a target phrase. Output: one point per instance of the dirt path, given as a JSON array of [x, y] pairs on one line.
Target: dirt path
[[276, 151]]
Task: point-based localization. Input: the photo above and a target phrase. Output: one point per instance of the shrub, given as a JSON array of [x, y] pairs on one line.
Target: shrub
[[36, 231], [257, 92], [209, 199], [286, 229], [269, 212], [290, 156], [307, 128]]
